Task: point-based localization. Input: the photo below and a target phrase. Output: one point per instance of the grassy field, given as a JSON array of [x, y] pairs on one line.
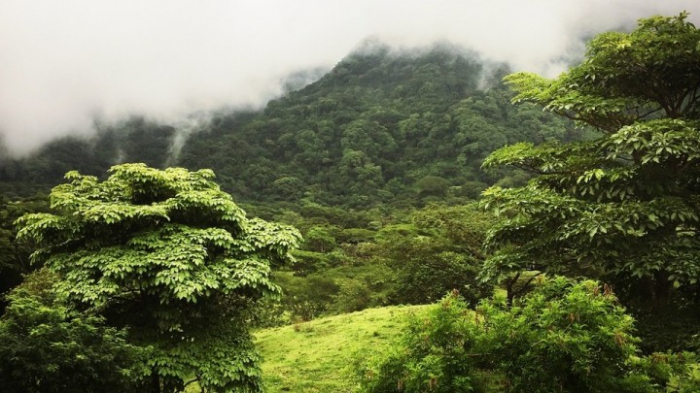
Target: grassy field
[[316, 356]]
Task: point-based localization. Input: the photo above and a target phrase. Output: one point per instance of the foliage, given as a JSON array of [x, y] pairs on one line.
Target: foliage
[[678, 372], [134, 139], [622, 206], [319, 239], [673, 327], [438, 252], [432, 185], [381, 127], [14, 256], [171, 256], [384, 126], [307, 297], [410, 257], [434, 354], [49, 348], [563, 336], [364, 286]]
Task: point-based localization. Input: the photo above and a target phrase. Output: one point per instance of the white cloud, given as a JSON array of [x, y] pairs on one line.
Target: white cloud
[[63, 62]]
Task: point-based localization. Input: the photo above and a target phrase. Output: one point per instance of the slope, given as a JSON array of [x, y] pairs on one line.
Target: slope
[[382, 126], [317, 356]]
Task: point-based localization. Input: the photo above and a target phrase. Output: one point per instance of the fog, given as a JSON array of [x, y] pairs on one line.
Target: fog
[[65, 63]]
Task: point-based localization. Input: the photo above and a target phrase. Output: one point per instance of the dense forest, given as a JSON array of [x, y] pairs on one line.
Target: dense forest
[[382, 127], [554, 222]]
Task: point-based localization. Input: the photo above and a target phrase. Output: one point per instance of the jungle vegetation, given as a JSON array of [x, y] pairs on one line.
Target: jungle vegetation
[[553, 222]]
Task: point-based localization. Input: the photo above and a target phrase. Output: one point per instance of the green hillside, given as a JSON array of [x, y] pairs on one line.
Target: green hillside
[[316, 356], [382, 127]]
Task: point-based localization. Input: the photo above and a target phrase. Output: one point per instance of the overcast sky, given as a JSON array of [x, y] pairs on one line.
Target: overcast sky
[[62, 63]]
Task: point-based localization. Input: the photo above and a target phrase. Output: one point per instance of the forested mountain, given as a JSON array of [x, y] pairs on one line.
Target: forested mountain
[[382, 126]]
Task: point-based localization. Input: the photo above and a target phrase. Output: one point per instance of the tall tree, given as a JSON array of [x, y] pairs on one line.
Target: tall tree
[[625, 204], [171, 256]]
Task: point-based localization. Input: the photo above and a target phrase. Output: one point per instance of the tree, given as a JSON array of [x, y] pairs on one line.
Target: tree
[[319, 239], [171, 256], [48, 348], [625, 204], [433, 185], [439, 252]]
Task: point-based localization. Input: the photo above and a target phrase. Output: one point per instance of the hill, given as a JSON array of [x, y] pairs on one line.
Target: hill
[[383, 126], [316, 356]]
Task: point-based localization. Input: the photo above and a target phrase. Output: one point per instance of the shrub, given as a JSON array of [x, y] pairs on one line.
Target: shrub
[[45, 348], [562, 337], [432, 356]]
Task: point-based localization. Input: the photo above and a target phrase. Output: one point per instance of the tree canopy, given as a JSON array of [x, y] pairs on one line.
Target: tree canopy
[[624, 204], [48, 348], [170, 255]]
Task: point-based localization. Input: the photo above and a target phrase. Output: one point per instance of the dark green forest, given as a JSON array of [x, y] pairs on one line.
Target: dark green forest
[[554, 221]]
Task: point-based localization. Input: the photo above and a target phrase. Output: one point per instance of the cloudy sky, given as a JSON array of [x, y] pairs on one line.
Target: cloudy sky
[[63, 63]]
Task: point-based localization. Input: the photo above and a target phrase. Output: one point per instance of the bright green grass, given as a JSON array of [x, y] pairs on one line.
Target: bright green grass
[[316, 356]]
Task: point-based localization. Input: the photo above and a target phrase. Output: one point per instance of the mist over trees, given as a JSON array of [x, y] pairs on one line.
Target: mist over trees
[[66, 63], [381, 125]]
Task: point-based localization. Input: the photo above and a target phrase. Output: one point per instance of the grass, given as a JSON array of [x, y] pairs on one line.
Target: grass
[[316, 356]]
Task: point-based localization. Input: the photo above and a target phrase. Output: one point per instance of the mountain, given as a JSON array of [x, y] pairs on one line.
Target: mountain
[[383, 126]]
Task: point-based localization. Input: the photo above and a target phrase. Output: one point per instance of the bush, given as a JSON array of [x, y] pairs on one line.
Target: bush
[[306, 297], [562, 337], [432, 186], [678, 372], [362, 286], [319, 239], [433, 355], [429, 267], [46, 348]]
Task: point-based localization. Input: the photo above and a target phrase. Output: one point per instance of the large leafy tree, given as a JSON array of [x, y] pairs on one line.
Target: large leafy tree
[[171, 256], [625, 204]]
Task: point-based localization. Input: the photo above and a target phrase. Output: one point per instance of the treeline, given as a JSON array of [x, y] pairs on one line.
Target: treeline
[[132, 140], [351, 261]]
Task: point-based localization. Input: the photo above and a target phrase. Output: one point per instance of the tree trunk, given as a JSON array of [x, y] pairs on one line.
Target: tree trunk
[[510, 290], [155, 382], [661, 289]]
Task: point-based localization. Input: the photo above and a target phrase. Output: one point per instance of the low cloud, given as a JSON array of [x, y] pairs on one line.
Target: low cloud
[[65, 63]]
